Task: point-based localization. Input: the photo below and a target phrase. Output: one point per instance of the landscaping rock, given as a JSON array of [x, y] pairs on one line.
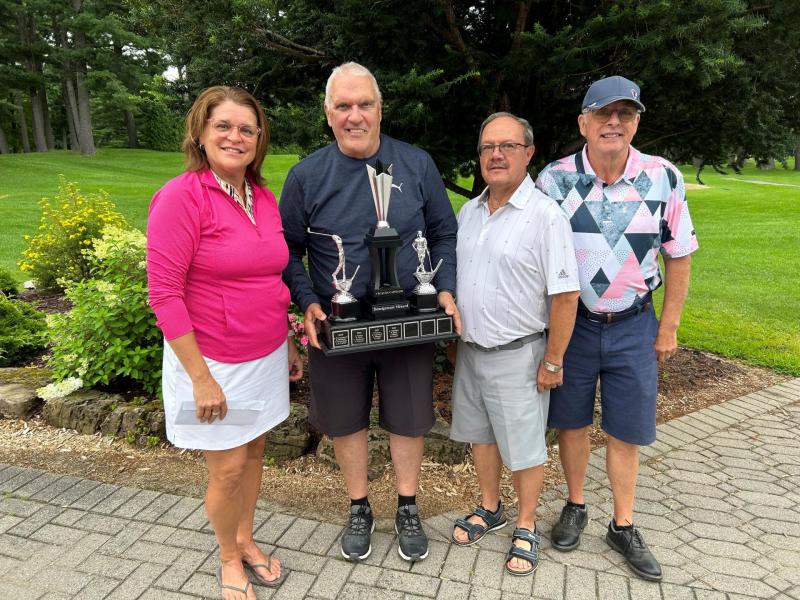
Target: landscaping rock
[[17, 400], [438, 447], [34, 376], [83, 411], [291, 438]]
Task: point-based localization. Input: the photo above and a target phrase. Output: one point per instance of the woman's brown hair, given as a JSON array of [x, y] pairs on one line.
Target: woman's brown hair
[[201, 111]]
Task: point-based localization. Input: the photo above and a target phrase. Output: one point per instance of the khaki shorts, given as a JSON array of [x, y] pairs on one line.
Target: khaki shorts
[[495, 401]]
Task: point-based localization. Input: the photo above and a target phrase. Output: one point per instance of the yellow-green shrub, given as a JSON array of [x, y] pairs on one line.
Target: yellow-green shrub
[[110, 335], [67, 226]]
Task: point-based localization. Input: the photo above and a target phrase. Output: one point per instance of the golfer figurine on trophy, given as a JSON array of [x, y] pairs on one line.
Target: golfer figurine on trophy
[[344, 306], [424, 297]]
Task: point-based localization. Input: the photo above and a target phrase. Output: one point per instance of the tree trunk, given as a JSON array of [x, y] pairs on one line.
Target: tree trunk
[[37, 120], [48, 126], [797, 157], [4, 149], [84, 125], [130, 123], [84, 122], [477, 180], [23, 124], [72, 114], [766, 165]]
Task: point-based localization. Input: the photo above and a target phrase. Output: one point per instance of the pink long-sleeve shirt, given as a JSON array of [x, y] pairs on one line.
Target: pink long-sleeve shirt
[[210, 270]]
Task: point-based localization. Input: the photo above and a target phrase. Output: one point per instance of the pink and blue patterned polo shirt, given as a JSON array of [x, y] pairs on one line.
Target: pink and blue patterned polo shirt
[[619, 228]]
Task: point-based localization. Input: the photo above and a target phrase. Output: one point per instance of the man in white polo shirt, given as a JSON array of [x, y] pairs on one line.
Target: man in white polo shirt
[[517, 276]]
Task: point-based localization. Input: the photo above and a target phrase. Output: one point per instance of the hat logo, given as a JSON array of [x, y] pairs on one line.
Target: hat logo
[[633, 94]]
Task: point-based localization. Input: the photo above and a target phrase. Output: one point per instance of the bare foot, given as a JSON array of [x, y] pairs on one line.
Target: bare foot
[[253, 555], [232, 573]]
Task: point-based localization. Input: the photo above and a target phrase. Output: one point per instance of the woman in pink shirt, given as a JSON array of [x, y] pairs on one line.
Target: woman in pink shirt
[[215, 253]]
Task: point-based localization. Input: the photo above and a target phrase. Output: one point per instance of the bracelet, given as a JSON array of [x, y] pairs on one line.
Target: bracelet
[[290, 333], [552, 367]]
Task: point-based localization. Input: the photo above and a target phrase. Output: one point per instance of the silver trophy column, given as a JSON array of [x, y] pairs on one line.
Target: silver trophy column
[[385, 296]]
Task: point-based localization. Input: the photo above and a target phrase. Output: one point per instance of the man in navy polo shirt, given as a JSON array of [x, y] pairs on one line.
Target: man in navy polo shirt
[[625, 208], [329, 192]]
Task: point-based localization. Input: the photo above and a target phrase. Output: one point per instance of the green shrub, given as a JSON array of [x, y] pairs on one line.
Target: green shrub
[[160, 127], [110, 334], [67, 227], [8, 285], [22, 331]]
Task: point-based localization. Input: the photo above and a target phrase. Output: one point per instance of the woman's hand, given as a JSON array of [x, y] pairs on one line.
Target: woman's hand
[[209, 399], [295, 362]]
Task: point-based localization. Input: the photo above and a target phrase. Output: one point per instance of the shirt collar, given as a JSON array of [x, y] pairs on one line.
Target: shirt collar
[[518, 199], [628, 174], [231, 189]]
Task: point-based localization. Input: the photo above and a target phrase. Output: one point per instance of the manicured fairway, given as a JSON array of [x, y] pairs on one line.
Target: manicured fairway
[[743, 301]]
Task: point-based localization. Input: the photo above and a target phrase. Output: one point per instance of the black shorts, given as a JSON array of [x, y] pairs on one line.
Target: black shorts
[[341, 390]]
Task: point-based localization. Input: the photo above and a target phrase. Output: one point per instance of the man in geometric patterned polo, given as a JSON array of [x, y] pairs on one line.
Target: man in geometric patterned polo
[[625, 208]]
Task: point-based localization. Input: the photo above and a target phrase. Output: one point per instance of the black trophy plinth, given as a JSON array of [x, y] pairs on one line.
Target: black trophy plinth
[[345, 311], [385, 297], [340, 337], [424, 303]]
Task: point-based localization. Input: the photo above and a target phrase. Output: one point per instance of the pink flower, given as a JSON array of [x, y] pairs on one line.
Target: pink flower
[[304, 341]]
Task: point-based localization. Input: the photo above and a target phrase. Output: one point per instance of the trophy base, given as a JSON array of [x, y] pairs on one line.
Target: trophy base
[[424, 303], [363, 336], [346, 311]]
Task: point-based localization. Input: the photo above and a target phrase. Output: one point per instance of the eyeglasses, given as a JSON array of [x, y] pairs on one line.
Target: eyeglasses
[[626, 115], [505, 148], [246, 131]]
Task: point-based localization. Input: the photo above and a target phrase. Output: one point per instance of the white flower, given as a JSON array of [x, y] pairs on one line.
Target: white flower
[[59, 389]]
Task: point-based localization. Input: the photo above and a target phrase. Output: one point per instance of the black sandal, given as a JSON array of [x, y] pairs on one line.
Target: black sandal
[[475, 531], [532, 555]]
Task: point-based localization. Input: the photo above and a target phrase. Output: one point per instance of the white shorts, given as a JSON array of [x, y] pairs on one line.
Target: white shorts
[[495, 401], [256, 392]]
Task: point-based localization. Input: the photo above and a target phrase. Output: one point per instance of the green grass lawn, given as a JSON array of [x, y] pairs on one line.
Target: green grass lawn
[[131, 177], [743, 301]]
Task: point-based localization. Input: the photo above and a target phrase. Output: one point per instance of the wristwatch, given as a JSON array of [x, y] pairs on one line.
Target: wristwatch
[[552, 367]]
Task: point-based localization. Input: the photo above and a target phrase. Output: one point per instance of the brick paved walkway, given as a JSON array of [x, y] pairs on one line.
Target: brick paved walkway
[[718, 503]]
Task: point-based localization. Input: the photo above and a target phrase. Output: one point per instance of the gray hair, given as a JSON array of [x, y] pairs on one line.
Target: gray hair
[[527, 130], [350, 68]]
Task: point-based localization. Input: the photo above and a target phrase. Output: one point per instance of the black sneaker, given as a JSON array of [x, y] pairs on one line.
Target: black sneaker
[[356, 536], [566, 534], [630, 544], [412, 541]]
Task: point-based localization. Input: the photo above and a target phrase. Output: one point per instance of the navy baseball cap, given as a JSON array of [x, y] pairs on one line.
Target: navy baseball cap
[[608, 90]]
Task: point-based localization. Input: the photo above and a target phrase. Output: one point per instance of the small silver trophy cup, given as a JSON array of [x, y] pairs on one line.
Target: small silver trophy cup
[[344, 306], [424, 298]]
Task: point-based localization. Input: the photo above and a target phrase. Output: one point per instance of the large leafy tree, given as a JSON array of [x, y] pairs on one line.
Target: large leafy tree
[[71, 59], [708, 68]]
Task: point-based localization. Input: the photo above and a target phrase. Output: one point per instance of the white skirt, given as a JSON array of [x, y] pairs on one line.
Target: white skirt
[[256, 391]]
